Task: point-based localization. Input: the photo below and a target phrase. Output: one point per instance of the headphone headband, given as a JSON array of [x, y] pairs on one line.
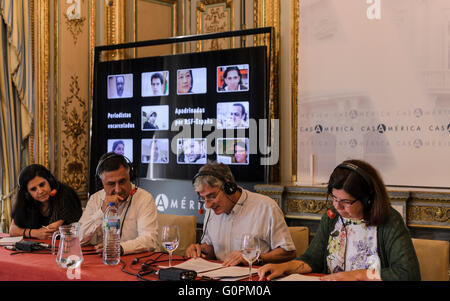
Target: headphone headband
[[112, 155], [364, 175], [229, 187]]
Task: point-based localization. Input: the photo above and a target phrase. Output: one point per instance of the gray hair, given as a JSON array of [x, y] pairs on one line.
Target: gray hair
[[219, 169]]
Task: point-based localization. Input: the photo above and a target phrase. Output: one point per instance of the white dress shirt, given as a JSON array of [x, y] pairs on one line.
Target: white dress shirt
[[254, 214], [139, 227]]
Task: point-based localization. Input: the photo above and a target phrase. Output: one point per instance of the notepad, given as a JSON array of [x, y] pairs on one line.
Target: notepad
[[10, 241]]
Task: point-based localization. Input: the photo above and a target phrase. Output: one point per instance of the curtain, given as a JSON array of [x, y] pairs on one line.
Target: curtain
[[16, 92]]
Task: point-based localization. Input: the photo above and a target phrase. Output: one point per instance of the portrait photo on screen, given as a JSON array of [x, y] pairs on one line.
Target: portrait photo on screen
[[120, 86], [155, 118], [234, 78], [232, 151], [191, 81], [155, 83], [191, 151], [155, 151], [233, 115], [122, 147]]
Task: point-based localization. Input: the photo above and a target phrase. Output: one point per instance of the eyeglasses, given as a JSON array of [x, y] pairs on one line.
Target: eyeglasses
[[345, 203], [209, 197]]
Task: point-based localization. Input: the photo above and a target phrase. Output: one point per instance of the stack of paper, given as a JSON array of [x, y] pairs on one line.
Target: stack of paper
[[214, 270], [10, 241], [298, 277]]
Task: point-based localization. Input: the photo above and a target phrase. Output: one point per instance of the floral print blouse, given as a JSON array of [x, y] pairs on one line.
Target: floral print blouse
[[354, 241]]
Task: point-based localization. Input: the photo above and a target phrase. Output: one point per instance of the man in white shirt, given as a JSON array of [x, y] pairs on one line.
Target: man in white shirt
[[137, 209], [233, 211]]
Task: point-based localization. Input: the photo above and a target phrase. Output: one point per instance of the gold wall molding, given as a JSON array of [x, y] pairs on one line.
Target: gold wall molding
[[266, 13], [42, 56], [114, 27], [295, 20], [436, 214], [214, 16], [308, 206]]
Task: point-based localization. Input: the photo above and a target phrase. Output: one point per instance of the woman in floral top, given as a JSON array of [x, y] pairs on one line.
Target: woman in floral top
[[361, 238]]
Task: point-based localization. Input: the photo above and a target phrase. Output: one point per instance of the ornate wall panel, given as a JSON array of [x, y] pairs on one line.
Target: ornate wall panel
[[214, 16], [75, 38]]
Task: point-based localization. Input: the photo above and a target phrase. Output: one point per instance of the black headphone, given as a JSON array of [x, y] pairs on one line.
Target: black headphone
[[124, 161], [367, 178], [228, 187]]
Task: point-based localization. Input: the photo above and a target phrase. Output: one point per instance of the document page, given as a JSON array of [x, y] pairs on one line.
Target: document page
[[10, 241], [199, 265], [298, 277], [228, 273], [214, 270]]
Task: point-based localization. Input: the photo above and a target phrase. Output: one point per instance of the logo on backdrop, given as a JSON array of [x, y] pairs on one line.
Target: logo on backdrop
[[318, 129], [381, 128], [162, 202]]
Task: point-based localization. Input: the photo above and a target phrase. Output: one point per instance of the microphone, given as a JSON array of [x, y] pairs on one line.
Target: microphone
[[335, 233], [331, 214], [132, 191]]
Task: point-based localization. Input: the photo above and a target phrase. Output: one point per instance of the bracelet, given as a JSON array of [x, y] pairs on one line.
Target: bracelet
[[23, 234], [29, 233]]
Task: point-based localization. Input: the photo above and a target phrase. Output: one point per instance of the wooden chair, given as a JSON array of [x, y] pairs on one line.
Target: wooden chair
[[433, 256], [300, 236], [187, 226]]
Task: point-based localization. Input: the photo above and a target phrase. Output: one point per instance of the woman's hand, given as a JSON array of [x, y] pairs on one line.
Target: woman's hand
[[42, 233], [357, 275]]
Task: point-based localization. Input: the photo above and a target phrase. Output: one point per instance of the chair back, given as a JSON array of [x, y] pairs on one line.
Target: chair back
[[187, 225], [433, 256], [300, 236]]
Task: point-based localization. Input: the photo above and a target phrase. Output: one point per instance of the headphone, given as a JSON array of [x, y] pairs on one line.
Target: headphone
[[123, 160], [350, 166], [228, 187]]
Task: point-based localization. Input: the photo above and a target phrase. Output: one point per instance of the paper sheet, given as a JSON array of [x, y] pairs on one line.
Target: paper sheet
[[10, 241], [214, 270], [298, 277], [199, 265]]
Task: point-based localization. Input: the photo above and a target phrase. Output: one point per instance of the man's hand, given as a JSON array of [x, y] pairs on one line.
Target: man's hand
[[115, 198], [234, 258], [194, 251]]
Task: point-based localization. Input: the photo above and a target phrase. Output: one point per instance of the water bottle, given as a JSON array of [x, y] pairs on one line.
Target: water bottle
[[111, 235]]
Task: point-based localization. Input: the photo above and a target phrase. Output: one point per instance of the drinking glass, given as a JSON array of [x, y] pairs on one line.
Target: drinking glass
[[250, 251], [170, 239]]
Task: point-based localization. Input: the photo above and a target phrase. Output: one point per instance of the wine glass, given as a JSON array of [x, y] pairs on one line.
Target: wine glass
[[170, 239], [250, 251]]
